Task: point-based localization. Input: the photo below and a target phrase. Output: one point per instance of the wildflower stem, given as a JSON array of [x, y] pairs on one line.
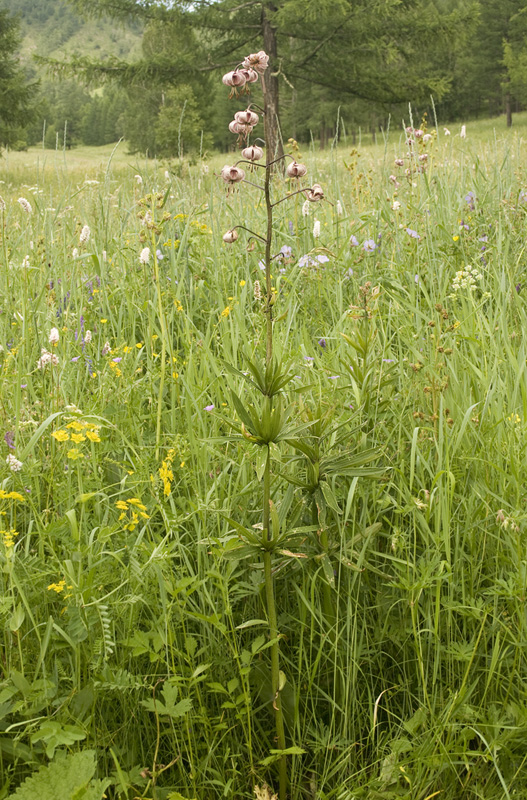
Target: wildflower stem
[[268, 242], [273, 627], [162, 323]]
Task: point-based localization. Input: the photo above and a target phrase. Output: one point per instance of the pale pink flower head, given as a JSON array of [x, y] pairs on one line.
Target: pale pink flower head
[[247, 117], [399, 162], [235, 78], [296, 170], [315, 193], [252, 153], [232, 174], [251, 76], [230, 236], [235, 127], [257, 61], [418, 133]]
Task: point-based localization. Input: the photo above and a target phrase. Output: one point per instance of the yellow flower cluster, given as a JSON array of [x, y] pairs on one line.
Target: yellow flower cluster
[[11, 496], [77, 431], [59, 587], [131, 510], [8, 538], [165, 472]]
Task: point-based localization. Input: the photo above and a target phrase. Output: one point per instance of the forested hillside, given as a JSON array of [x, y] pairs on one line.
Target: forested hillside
[[68, 112], [341, 68]]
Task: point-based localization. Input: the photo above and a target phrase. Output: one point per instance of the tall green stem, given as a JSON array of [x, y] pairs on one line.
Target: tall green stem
[[162, 323], [273, 628], [268, 243]]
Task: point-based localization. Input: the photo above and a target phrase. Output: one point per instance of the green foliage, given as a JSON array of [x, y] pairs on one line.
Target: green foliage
[[69, 777], [132, 597], [16, 93]]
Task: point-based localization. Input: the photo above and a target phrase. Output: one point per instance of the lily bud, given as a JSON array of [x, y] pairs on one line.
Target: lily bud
[[315, 193], [232, 174], [230, 236], [296, 170], [246, 117], [235, 78], [251, 76], [258, 61], [252, 153]]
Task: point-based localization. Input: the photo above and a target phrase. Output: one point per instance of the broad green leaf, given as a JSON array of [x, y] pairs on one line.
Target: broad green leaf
[[69, 777]]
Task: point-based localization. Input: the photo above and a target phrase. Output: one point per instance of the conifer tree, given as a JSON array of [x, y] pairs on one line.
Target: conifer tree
[[16, 93]]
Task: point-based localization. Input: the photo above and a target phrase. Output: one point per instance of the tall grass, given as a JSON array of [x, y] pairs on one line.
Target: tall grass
[[401, 590]]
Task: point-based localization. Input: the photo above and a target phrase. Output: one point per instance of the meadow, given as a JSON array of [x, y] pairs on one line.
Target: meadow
[[137, 645]]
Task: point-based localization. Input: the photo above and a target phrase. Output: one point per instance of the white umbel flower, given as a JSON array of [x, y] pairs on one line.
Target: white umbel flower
[[339, 208], [13, 463], [47, 358], [85, 235], [74, 253], [26, 205], [305, 209], [54, 336], [316, 229], [144, 257], [88, 337]]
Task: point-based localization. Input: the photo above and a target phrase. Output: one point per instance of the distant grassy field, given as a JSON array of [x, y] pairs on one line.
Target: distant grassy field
[[135, 655]]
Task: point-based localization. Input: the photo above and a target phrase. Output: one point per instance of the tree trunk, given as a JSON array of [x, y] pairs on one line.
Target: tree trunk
[[273, 139], [508, 109]]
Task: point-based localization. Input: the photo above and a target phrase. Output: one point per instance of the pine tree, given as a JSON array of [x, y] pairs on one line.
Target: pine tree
[[16, 93], [379, 51]]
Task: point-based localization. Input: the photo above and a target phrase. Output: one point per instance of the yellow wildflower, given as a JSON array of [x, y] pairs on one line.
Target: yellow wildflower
[[77, 425], [57, 587], [93, 436], [226, 311], [74, 454], [61, 436], [78, 438]]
